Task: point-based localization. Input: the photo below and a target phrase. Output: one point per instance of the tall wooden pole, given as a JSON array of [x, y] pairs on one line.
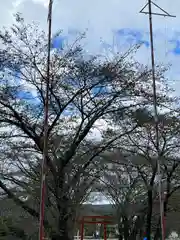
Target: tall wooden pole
[[156, 116], [156, 120], [46, 115]]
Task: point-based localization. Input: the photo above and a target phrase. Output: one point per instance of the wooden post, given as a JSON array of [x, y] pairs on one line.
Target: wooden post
[[105, 233]]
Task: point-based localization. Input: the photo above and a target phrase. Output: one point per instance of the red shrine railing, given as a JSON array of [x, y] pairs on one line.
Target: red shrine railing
[[95, 220]]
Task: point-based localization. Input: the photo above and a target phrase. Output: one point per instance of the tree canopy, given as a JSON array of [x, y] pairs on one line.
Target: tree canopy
[[85, 91]]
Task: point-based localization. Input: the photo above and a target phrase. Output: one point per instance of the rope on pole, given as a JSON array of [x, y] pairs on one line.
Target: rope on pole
[[46, 116]]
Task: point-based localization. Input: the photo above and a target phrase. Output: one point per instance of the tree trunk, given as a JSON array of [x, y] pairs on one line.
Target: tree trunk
[[126, 228], [120, 230], [60, 237], [157, 234], [120, 237], [66, 222], [65, 230]]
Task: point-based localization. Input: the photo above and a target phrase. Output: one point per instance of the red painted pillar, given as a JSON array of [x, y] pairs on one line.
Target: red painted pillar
[[105, 233], [82, 229]]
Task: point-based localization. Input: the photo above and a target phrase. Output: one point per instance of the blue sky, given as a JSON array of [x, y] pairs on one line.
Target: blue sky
[[109, 24]]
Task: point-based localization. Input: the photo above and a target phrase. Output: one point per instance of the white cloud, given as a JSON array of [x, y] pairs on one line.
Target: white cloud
[[43, 2], [102, 18]]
